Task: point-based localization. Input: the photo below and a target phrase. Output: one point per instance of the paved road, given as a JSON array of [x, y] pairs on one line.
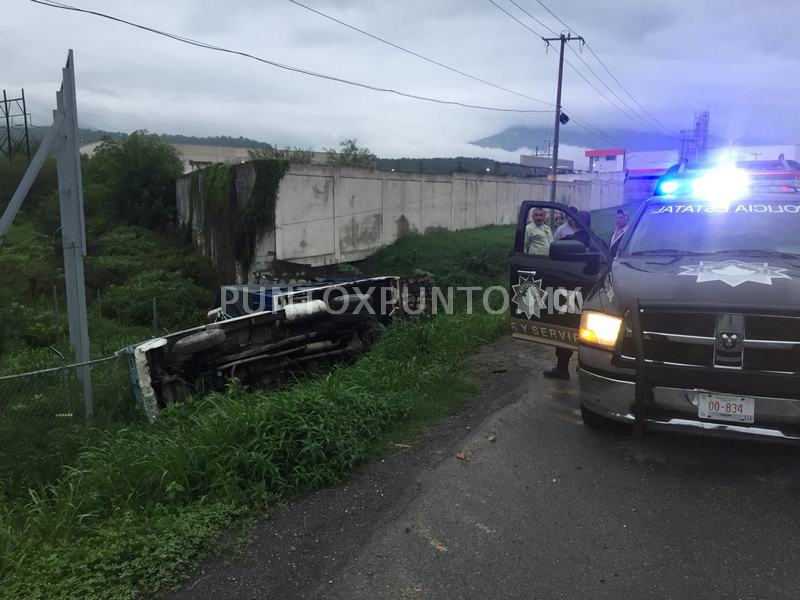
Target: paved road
[[549, 509]]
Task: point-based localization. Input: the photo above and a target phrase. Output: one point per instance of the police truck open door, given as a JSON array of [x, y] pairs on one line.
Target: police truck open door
[[549, 282]]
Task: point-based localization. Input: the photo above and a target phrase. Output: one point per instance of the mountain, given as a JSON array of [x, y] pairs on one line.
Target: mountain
[[88, 136], [514, 138], [460, 164]]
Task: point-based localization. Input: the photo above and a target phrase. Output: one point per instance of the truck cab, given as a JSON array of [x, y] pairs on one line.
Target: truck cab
[[693, 325]]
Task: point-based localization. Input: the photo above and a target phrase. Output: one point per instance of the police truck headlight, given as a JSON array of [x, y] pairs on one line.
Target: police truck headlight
[[600, 329]]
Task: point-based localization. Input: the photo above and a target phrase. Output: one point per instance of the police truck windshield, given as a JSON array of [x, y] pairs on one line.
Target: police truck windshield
[[752, 225]]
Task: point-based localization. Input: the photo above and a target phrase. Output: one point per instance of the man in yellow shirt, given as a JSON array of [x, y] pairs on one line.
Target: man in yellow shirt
[[537, 234]]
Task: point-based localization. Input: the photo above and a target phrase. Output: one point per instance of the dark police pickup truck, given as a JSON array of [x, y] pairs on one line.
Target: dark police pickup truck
[[694, 325]]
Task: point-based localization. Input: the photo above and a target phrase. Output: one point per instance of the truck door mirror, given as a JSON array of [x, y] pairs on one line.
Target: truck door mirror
[[567, 250], [575, 251]]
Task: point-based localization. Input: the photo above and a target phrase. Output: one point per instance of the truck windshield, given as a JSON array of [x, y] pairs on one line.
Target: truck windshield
[[749, 226]]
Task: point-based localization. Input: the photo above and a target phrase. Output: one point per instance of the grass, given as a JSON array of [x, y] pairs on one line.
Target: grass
[[470, 257], [142, 503], [121, 510]]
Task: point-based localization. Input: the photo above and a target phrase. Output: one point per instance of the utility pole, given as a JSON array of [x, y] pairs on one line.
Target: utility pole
[[563, 38], [62, 141]]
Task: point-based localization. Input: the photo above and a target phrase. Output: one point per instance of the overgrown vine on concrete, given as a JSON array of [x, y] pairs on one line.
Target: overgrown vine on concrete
[[264, 199], [234, 229], [217, 180]]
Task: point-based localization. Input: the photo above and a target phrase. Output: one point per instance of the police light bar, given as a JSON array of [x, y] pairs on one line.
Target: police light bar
[[668, 187], [720, 185]]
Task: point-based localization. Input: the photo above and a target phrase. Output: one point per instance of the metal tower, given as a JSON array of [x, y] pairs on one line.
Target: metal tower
[[13, 135]]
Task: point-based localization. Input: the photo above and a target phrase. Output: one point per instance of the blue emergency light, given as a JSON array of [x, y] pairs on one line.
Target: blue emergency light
[[670, 186], [720, 185]]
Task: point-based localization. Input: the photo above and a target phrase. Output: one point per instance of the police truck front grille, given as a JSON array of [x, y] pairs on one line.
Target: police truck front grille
[[772, 343], [767, 327], [766, 359], [679, 323], [678, 338], [661, 348], [765, 343]]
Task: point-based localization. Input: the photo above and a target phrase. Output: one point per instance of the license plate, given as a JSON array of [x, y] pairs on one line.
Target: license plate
[[725, 408]]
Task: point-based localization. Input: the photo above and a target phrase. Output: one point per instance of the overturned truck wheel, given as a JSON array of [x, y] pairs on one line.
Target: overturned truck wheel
[[198, 342], [369, 332]]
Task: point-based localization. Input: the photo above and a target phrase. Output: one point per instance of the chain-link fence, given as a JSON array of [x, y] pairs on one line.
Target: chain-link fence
[[43, 423], [55, 395]]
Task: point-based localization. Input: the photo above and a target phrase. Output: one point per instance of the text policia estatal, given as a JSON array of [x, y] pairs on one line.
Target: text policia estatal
[[738, 208]]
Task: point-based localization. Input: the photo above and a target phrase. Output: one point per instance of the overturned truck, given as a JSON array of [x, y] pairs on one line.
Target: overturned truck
[[263, 337]]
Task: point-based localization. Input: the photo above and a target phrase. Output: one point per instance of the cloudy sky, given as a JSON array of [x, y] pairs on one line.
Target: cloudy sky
[[736, 58]]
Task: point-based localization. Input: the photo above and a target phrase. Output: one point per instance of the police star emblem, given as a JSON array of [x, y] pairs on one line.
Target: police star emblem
[[734, 272], [529, 296]]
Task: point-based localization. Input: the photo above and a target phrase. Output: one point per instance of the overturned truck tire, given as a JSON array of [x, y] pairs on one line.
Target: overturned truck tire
[[198, 342], [370, 331]]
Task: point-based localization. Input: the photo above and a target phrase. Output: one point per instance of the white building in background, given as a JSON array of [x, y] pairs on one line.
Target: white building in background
[[639, 170], [654, 163], [611, 160], [545, 162], [198, 156]]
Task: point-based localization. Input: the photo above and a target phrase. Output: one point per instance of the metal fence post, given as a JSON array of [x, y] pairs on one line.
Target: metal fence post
[[56, 315], [155, 317]]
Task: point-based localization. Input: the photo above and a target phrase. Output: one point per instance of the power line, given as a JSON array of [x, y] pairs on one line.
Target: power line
[[631, 112], [617, 81], [596, 89], [572, 66], [600, 79], [554, 15], [592, 130], [554, 32], [624, 89], [536, 33], [500, 8], [417, 55], [598, 133], [294, 69]]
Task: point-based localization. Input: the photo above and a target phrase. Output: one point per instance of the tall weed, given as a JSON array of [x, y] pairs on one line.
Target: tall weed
[[210, 459]]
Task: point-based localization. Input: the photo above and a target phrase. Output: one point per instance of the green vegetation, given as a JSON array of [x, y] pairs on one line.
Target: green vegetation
[[127, 266], [260, 212], [88, 136], [185, 302], [470, 257], [350, 154], [460, 164], [142, 503], [122, 508], [137, 176], [233, 231]]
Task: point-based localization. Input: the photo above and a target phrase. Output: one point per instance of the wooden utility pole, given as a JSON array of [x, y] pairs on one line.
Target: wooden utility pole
[[563, 38]]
